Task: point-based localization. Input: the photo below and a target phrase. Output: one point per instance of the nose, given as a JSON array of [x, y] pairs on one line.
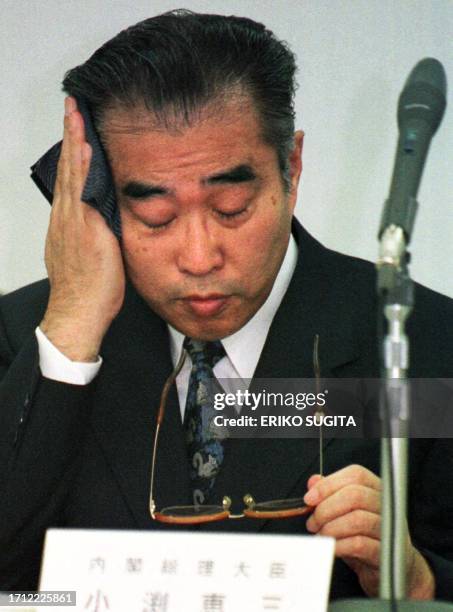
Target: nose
[[200, 252]]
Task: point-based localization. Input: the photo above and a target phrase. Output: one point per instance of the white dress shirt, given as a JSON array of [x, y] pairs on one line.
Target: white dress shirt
[[243, 348]]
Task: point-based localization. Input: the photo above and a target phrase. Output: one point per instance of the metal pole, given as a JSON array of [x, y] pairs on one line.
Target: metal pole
[[394, 453]]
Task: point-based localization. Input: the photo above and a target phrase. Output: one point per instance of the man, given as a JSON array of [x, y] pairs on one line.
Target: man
[[195, 113]]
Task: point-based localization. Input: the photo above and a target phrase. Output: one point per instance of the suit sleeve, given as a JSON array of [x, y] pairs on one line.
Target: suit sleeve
[[431, 512], [42, 423]]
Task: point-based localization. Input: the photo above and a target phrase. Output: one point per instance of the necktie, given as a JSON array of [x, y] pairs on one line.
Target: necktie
[[204, 442]]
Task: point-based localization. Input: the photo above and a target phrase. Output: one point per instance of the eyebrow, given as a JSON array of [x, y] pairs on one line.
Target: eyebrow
[[141, 191], [238, 174]]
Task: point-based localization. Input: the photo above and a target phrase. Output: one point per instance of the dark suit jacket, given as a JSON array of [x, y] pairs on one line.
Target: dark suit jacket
[[80, 456]]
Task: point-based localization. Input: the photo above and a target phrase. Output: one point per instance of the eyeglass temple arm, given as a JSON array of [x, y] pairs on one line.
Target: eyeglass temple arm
[[168, 384], [160, 417], [317, 371]]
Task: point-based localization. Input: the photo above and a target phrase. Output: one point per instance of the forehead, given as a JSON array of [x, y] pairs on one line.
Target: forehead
[[139, 145]]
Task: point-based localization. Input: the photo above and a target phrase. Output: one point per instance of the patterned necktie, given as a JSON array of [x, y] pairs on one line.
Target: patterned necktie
[[204, 442]]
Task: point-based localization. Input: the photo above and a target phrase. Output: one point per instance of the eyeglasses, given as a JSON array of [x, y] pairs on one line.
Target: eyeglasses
[[196, 514]]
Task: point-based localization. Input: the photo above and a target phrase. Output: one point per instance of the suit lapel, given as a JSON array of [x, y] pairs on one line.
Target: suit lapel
[[128, 394]]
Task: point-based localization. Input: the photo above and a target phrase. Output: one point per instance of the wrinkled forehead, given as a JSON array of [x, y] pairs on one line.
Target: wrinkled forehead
[[220, 137], [137, 118]]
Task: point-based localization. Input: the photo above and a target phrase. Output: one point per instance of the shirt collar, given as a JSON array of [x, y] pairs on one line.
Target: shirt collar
[[244, 347]]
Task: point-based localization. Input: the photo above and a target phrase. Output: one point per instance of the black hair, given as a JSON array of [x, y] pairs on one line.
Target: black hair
[[176, 63]]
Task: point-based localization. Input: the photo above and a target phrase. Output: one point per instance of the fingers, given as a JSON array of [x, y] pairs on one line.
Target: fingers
[[350, 475], [347, 491], [346, 501], [73, 164], [357, 522], [348, 507], [82, 256], [313, 480], [63, 162]]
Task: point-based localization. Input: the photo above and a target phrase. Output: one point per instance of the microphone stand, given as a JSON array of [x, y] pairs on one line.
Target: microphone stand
[[395, 289]]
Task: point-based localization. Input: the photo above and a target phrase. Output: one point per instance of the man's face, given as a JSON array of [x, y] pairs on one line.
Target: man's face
[[205, 218]]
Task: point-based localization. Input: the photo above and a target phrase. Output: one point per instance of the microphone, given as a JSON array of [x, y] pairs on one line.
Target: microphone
[[421, 107]]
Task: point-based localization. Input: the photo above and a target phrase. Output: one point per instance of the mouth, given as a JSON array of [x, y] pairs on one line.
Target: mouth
[[206, 305]]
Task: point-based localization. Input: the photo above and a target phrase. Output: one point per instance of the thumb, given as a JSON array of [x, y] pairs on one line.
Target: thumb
[[315, 478]]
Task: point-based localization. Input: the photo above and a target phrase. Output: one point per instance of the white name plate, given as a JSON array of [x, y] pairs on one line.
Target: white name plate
[[163, 571]]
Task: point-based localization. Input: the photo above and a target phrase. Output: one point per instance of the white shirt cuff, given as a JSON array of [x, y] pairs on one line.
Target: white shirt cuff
[[56, 366]]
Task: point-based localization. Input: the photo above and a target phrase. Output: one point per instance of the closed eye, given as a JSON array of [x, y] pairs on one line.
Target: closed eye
[[157, 226], [231, 215]]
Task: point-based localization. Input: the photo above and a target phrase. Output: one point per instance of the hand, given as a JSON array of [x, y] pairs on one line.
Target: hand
[[348, 508], [83, 256]]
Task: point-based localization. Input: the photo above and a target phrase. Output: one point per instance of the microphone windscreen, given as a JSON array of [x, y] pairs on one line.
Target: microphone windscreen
[[424, 95]]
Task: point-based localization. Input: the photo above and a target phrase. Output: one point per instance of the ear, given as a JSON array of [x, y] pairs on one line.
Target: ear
[[295, 167]]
